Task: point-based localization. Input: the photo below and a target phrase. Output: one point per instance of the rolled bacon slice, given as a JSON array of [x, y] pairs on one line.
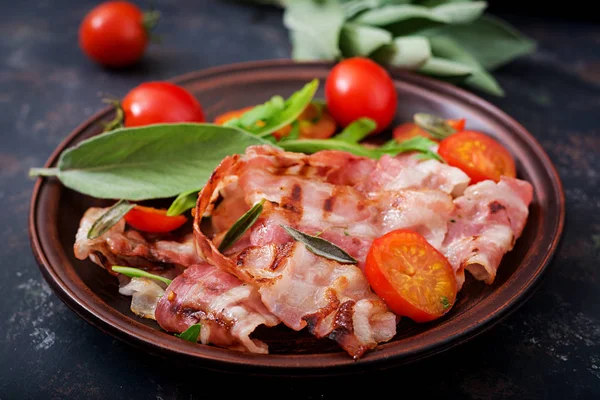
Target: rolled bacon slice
[[227, 309], [486, 222], [121, 246]]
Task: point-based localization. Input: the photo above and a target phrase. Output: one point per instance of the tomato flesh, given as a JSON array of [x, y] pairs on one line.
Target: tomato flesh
[[478, 155], [155, 220], [409, 130], [359, 87], [113, 34], [313, 124], [413, 278], [160, 102], [458, 124]]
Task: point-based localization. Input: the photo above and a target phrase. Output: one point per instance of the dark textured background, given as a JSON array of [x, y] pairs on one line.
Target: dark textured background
[[549, 348]]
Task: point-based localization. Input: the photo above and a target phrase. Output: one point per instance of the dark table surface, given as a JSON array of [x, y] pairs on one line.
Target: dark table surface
[[549, 348]]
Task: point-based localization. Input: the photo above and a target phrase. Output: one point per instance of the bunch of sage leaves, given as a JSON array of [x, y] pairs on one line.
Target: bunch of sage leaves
[[451, 40]]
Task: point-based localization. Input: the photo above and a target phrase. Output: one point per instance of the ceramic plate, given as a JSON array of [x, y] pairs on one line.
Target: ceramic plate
[[89, 291]]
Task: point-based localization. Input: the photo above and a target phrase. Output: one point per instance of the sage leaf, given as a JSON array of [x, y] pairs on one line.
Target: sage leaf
[[440, 67], [462, 12], [403, 19], [190, 334], [361, 40], [274, 115], [409, 52], [491, 41], [139, 273], [436, 126], [320, 247], [447, 48], [315, 27], [109, 218], [357, 130], [185, 201], [240, 226], [154, 161]]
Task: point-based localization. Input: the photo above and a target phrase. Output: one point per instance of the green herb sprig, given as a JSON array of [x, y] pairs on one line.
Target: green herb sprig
[[452, 40]]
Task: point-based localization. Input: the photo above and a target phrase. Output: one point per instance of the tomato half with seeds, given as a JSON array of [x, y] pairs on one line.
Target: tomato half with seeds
[[154, 220], [413, 278], [478, 155]]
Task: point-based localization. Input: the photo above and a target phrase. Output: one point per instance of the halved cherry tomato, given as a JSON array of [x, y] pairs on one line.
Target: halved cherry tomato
[[409, 130], [315, 124], [478, 155], [411, 276], [229, 115], [155, 220]]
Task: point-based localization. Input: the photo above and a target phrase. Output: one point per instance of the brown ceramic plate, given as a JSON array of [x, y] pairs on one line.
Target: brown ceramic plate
[[92, 293]]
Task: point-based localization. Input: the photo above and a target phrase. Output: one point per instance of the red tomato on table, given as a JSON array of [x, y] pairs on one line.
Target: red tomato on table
[[153, 220], [478, 155], [115, 33], [359, 87], [411, 276]]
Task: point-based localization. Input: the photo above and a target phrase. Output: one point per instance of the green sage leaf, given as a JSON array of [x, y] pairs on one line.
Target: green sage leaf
[[274, 115], [154, 161], [185, 201], [436, 126], [191, 334], [440, 67], [362, 40], [409, 52], [320, 247], [403, 19], [491, 41], [357, 130], [315, 27], [462, 12], [139, 273], [109, 218], [240, 226], [447, 48]]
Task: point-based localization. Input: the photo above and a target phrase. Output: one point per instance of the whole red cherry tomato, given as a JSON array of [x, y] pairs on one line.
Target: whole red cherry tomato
[[359, 87], [116, 33], [160, 102]]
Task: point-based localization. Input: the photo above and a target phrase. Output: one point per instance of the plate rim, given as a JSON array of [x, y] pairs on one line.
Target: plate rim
[[344, 364]]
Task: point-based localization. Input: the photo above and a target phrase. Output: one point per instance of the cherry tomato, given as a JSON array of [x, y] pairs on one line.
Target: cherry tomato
[[115, 33], [359, 87], [411, 276], [478, 155], [153, 220], [229, 115], [315, 124], [409, 130], [160, 102]]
